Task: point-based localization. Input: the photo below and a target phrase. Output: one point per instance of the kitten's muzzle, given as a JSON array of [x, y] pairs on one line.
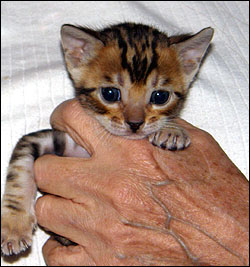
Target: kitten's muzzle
[[134, 126]]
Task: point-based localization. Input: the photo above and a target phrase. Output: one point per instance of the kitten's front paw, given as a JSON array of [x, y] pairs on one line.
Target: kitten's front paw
[[16, 232], [171, 138]]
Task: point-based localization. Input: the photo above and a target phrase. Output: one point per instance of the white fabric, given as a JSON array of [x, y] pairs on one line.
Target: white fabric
[[34, 79]]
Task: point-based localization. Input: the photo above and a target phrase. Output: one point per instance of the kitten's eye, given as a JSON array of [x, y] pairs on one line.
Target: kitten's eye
[[111, 94], [159, 97]]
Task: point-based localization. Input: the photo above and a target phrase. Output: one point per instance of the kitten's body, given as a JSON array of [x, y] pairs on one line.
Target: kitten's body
[[133, 79]]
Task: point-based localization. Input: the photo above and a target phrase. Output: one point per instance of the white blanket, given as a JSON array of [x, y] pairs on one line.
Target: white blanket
[[34, 79]]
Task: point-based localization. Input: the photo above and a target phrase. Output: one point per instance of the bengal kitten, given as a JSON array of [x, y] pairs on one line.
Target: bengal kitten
[[133, 79]]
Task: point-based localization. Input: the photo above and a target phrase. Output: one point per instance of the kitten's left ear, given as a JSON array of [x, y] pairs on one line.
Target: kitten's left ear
[[192, 50]]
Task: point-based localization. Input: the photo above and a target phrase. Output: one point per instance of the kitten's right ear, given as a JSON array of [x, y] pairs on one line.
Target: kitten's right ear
[[191, 52], [79, 47]]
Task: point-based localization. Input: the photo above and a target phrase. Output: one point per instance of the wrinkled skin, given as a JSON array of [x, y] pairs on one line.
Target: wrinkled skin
[[134, 204]]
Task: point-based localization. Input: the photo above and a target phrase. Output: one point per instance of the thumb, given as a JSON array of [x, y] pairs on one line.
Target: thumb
[[70, 117], [55, 254]]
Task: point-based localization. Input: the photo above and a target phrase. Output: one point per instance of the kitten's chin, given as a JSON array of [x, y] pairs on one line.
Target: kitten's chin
[[134, 136], [128, 134], [125, 133]]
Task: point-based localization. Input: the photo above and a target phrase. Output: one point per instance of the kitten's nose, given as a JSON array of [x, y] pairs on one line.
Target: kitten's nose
[[134, 126]]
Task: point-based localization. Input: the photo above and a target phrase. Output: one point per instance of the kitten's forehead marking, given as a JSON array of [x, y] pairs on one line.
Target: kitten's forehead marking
[[138, 51]]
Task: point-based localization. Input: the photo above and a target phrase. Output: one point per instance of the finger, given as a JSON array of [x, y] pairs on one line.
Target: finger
[[59, 215], [70, 114], [65, 176], [56, 254], [76, 222]]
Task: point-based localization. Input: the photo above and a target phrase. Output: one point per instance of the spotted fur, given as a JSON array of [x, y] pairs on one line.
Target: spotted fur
[[144, 72]]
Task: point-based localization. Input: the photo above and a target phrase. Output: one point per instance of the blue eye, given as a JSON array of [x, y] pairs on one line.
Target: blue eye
[[159, 97], [111, 94]]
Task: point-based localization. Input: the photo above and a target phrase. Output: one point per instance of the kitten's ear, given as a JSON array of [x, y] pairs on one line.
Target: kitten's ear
[[192, 50], [79, 46]]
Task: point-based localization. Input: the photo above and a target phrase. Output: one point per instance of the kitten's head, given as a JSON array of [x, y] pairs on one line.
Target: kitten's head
[[131, 77]]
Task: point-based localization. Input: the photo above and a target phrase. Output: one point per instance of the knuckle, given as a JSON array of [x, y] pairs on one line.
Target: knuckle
[[41, 209], [204, 137], [123, 192], [38, 169], [38, 207], [41, 169]]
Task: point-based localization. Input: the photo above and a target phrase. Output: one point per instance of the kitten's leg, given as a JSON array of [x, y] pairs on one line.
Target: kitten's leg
[[171, 137], [18, 216]]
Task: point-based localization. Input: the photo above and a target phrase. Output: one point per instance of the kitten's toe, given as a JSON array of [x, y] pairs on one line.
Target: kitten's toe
[[170, 138], [16, 233], [14, 245]]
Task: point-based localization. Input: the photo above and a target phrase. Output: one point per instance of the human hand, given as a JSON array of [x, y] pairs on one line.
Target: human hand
[[134, 204]]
